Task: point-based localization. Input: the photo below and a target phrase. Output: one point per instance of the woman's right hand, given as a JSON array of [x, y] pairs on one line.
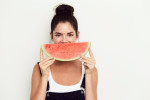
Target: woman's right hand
[[45, 64]]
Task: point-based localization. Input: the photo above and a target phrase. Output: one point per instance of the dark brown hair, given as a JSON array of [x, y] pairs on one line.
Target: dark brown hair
[[64, 13]]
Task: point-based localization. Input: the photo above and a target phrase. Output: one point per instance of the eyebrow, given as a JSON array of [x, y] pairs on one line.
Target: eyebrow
[[61, 33]]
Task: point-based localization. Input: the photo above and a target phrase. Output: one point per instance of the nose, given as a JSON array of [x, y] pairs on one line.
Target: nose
[[64, 40]]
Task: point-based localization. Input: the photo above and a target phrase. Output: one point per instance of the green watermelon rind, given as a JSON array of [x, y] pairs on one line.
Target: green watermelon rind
[[83, 54]]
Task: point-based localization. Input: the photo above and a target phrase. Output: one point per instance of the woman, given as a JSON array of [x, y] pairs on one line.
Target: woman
[[64, 80]]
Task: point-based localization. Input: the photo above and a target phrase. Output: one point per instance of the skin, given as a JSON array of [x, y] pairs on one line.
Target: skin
[[64, 33], [64, 72]]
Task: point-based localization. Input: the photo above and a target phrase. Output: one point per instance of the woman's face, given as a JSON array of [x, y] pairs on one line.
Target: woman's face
[[64, 33]]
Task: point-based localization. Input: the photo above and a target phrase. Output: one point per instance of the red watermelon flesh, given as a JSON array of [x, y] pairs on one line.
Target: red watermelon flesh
[[66, 51]]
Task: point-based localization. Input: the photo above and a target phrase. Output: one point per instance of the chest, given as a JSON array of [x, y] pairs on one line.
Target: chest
[[67, 77]]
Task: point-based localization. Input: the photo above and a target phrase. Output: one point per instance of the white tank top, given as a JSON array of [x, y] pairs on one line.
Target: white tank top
[[55, 87]]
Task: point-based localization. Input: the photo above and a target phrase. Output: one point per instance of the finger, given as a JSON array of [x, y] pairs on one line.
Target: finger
[[48, 58], [83, 60], [87, 61], [84, 57], [87, 65], [90, 52], [49, 63], [44, 64], [41, 54]]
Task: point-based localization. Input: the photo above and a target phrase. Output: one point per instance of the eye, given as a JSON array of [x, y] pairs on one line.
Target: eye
[[70, 35], [57, 35]]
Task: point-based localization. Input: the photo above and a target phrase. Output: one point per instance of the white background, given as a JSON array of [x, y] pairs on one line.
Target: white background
[[118, 30]]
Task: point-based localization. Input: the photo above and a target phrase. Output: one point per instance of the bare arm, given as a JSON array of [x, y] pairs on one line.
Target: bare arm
[[39, 85], [39, 82], [91, 76], [91, 85]]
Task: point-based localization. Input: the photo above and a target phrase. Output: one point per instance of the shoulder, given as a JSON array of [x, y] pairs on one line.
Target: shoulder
[[36, 71], [35, 79], [36, 75], [36, 68]]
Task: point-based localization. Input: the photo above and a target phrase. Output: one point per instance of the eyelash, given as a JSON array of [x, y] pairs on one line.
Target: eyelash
[[70, 35], [59, 35]]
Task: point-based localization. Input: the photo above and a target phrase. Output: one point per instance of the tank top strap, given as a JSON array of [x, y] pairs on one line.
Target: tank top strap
[[41, 74], [83, 82]]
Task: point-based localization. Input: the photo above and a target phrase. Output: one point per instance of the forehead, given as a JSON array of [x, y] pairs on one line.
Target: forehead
[[64, 27]]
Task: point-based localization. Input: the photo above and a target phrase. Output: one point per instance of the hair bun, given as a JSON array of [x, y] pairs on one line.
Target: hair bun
[[64, 9]]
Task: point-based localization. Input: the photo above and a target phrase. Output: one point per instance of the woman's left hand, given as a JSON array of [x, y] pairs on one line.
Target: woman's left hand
[[89, 62]]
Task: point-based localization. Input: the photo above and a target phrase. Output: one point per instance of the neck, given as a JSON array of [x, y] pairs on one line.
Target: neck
[[66, 66], [66, 62]]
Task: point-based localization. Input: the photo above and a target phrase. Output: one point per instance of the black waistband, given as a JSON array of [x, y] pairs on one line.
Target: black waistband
[[73, 95], [48, 87], [66, 93]]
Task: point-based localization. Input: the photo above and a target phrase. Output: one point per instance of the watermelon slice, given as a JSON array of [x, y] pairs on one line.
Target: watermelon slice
[[66, 51]]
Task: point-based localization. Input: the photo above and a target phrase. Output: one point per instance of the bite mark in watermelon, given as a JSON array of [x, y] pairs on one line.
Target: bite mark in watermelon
[[66, 51]]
